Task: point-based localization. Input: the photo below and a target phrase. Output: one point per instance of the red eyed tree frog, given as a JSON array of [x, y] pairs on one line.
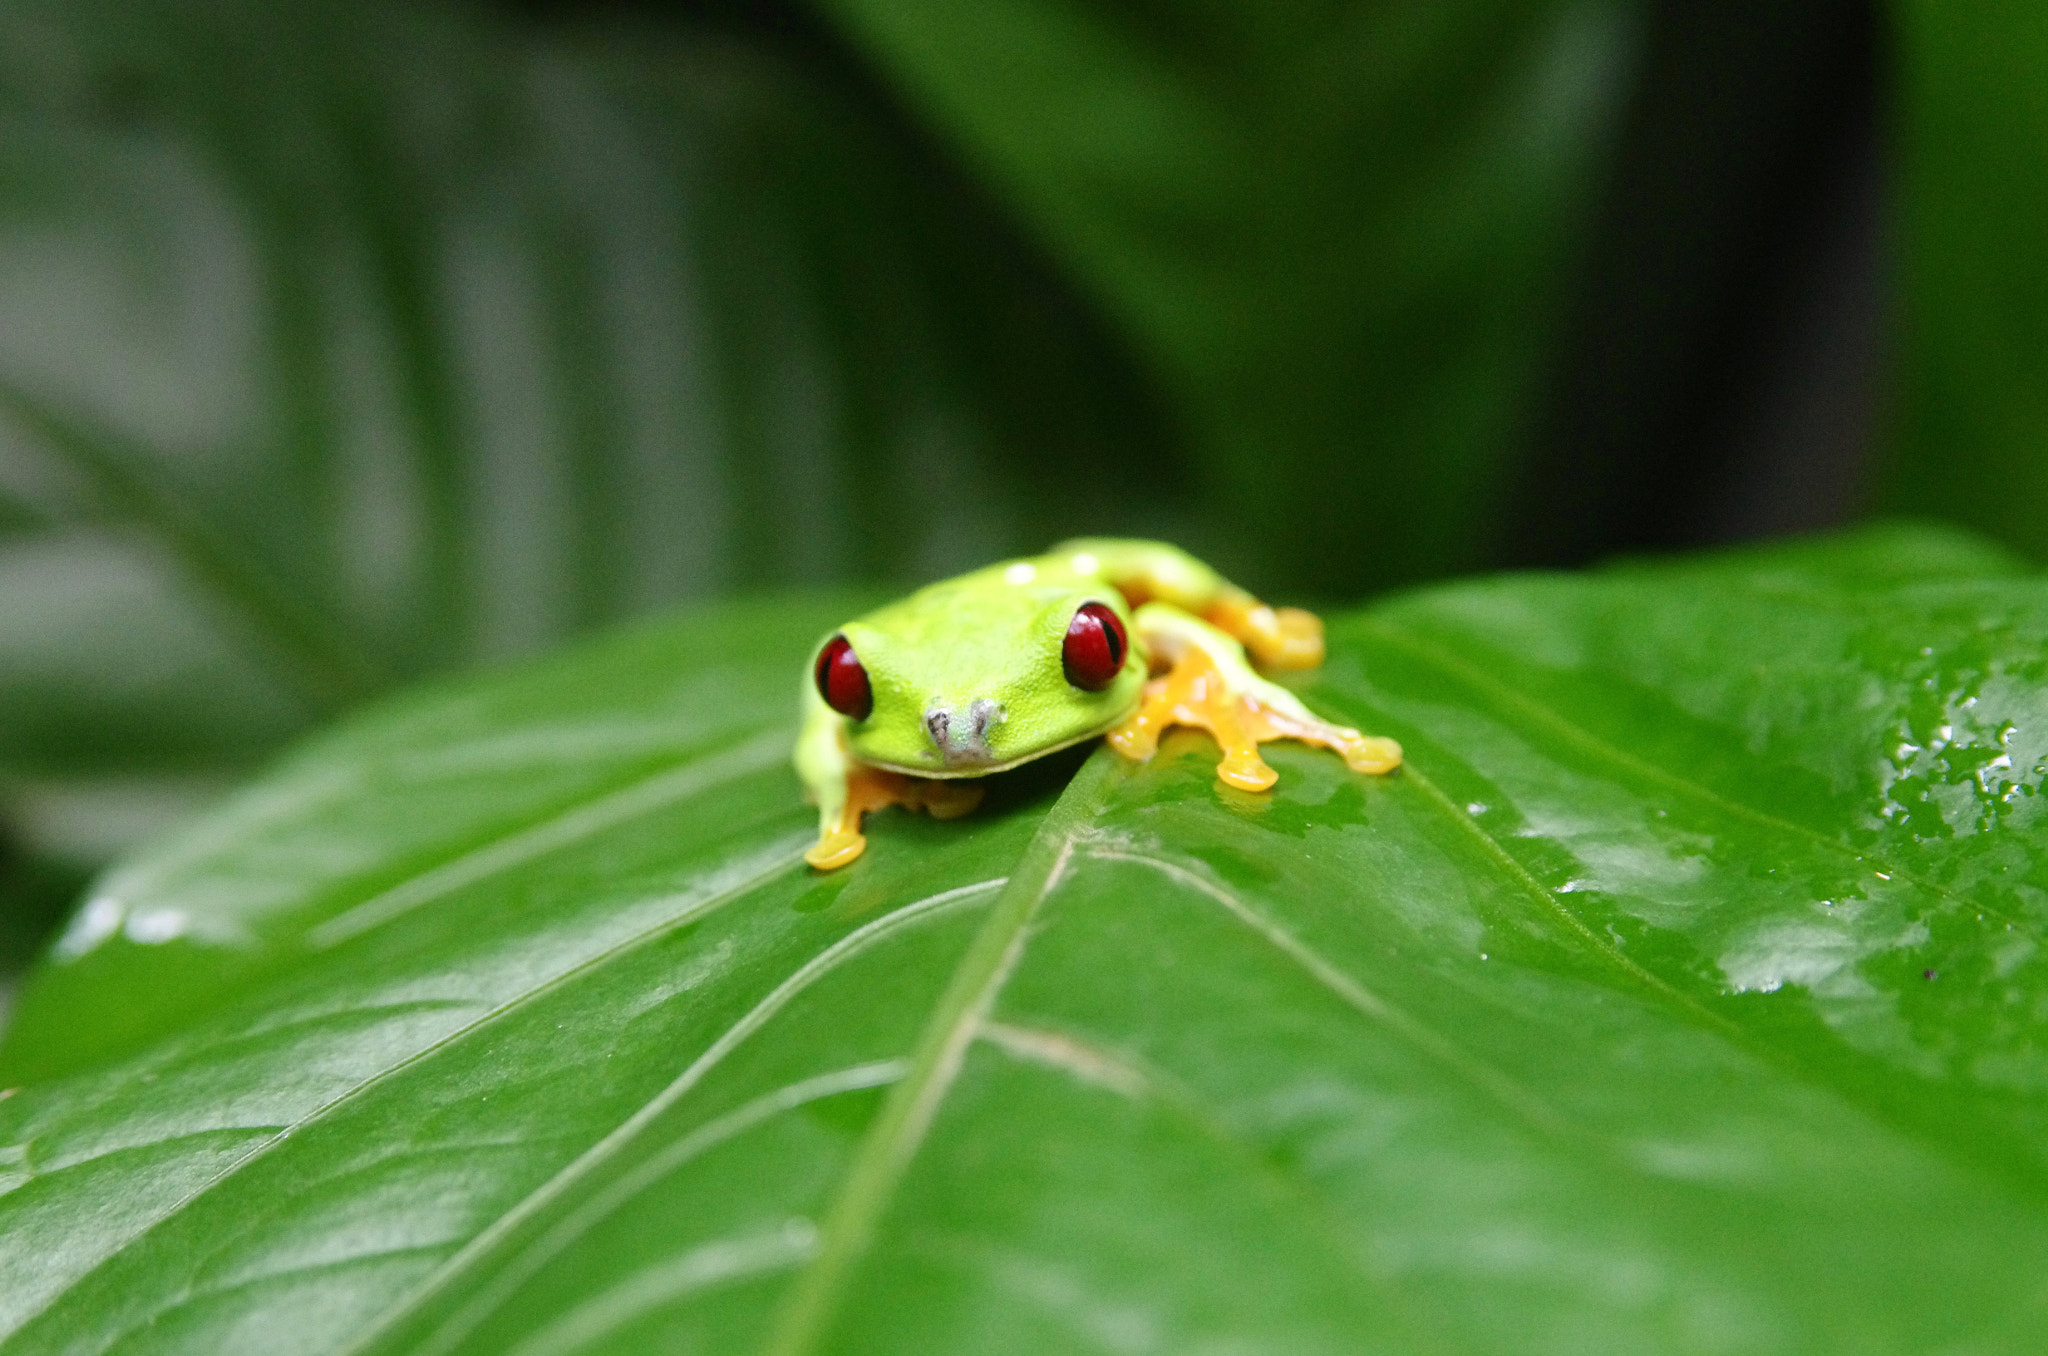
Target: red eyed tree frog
[[906, 705]]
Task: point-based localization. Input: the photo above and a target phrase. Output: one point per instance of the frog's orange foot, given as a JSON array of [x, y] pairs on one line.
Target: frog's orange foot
[[1360, 752], [1194, 693], [835, 849], [1277, 638], [869, 789]]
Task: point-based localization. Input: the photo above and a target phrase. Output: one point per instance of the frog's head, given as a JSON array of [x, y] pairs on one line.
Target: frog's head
[[984, 672]]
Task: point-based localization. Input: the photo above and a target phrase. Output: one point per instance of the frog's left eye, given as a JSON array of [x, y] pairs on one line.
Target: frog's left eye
[[1095, 647], [843, 681]]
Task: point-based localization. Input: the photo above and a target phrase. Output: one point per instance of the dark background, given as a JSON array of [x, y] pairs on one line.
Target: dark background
[[344, 345], [1720, 365], [1725, 360]]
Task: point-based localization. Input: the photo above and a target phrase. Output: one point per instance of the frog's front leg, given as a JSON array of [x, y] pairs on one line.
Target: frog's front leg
[[846, 790], [866, 789], [1209, 684]]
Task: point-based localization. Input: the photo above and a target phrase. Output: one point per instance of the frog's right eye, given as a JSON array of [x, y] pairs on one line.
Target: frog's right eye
[[1093, 653], [842, 682]]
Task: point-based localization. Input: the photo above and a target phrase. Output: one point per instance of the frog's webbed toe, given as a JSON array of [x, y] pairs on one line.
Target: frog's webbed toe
[[1242, 713], [841, 840], [869, 789]]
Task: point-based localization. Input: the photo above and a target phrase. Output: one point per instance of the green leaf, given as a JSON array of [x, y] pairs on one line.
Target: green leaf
[[1682, 993]]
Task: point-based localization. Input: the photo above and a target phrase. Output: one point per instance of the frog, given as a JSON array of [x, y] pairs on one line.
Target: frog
[[913, 703]]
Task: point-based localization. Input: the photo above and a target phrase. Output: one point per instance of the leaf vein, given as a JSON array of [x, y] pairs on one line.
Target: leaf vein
[[531, 1259], [1526, 881], [1572, 732], [696, 910], [562, 830], [1476, 1072], [701, 1268], [614, 1142]]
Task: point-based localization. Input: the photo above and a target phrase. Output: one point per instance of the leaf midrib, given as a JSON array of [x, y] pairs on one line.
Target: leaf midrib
[[457, 1326], [850, 1224]]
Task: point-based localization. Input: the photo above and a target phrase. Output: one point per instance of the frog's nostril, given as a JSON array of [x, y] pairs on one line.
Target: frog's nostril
[[986, 715], [962, 736]]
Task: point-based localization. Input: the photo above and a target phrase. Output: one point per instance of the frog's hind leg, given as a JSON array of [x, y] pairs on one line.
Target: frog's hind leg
[[1210, 686], [1278, 637], [1152, 571], [840, 840]]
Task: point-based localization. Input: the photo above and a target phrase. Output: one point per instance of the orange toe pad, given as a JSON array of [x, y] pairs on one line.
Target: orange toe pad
[[869, 789], [1194, 693]]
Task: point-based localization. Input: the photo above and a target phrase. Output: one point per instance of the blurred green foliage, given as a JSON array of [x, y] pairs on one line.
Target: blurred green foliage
[[343, 343], [1972, 441]]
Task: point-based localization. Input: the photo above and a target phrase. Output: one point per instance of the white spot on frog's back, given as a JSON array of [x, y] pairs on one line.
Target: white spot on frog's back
[[1020, 572], [1085, 563]]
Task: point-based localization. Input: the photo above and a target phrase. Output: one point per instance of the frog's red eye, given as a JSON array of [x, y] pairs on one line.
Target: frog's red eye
[[1094, 652], [842, 682]]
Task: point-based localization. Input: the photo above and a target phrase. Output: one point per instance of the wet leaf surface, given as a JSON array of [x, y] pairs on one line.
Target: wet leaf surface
[[1682, 994]]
